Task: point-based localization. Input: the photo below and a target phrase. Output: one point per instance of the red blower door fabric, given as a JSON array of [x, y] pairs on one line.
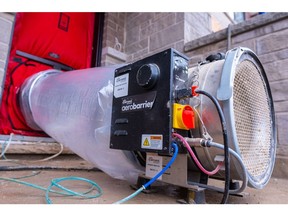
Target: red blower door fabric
[[65, 38]]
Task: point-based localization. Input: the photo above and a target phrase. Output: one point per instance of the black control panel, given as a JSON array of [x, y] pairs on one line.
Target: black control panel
[[143, 102]]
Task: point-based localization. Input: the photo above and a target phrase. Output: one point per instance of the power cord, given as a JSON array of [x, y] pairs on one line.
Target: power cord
[[175, 149], [226, 146], [55, 183], [195, 159], [68, 192], [7, 144]]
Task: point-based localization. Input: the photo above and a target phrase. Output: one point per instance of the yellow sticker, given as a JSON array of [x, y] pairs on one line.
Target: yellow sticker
[[152, 141], [146, 142]]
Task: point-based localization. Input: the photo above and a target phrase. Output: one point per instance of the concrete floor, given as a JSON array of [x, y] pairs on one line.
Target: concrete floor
[[276, 192]]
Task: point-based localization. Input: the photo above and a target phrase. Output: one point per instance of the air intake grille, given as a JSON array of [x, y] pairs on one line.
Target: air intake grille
[[253, 119]]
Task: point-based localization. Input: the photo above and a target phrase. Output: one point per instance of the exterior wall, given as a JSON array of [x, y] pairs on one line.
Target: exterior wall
[[266, 35], [6, 25], [197, 25], [148, 33], [113, 39], [132, 36]]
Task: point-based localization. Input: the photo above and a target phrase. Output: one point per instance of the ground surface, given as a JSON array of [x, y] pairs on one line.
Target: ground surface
[[276, 192]]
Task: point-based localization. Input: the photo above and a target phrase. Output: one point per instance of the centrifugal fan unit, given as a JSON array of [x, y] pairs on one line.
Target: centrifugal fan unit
[[131, 120]]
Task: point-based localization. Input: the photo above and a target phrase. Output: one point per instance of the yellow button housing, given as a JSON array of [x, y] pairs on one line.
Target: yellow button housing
[[183, 117]]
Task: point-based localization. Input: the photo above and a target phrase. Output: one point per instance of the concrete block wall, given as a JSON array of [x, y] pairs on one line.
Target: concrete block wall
[[148, 33], [6, 23], [267, 36], [113, 39], [197, 25]]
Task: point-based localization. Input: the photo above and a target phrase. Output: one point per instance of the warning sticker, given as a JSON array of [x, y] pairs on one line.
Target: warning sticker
[[152, 141], [121, 85], [154, 165], [146, 142]]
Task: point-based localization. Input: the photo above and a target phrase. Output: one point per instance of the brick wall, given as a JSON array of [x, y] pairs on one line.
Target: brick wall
[[267, 36]]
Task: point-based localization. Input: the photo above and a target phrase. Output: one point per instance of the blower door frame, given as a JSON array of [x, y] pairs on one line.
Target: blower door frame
[[12, 121]]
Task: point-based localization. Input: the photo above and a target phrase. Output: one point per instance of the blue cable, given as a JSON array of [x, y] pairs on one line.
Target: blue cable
[[55, 182], [68, 192], [175, 148], [130, 196]]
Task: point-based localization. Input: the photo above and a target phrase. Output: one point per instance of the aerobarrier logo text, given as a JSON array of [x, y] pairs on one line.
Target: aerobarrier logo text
[[138, 102]]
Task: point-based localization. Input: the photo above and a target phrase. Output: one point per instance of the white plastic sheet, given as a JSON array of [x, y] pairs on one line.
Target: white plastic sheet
[[75, 109]]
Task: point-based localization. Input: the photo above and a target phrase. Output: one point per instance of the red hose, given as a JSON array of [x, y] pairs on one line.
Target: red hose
[[187, 146]]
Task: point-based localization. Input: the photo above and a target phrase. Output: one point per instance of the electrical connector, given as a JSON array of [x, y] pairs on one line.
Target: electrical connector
[[186, 93], [183, 94], [205, 143]]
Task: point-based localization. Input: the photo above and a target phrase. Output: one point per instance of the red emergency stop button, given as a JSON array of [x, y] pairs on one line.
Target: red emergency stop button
[[183, 117], [188, 117]]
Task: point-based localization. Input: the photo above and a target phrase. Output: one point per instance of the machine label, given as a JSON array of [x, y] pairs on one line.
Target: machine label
[[152, 141], [154, 165], [138, 102], [121, 85]]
